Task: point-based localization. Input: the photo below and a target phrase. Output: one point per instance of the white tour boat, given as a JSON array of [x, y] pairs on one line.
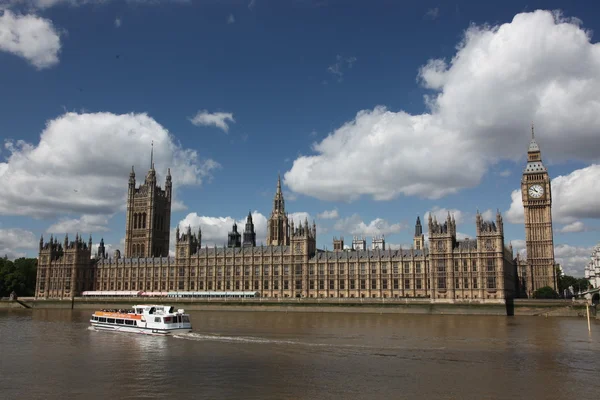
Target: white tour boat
[[145, 319]]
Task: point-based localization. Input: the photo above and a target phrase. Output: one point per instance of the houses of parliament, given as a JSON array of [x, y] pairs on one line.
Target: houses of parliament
[[291, 266]]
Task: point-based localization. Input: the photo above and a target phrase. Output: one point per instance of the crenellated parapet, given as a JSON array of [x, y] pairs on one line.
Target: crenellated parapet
[[303, 230]]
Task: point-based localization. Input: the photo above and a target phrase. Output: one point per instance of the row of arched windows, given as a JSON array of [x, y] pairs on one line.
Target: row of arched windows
[[138, 250], [139, 221], [159, 222]]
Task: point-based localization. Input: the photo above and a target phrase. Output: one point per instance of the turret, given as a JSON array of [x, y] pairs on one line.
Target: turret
[[169, 184]]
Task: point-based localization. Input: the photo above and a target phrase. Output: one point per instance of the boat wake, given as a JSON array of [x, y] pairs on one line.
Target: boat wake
[[241, 339]]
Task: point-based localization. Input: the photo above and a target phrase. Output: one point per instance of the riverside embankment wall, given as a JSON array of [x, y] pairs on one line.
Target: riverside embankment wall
[[547, 308]]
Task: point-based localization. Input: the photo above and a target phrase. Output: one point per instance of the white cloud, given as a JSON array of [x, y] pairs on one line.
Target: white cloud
[[82, 165], [31, 37], [85, 224], [574, 227], [539, 67], [252, 4], [574, 196], [218, 119], [340, 66], [14, 240], [432, 13], [109, 249], [332, 214], [573, 259], [355, 226], [215, 229], [442, 213], [118, 22], [519, 247], [230, 19], [300, 217], [505, 173]]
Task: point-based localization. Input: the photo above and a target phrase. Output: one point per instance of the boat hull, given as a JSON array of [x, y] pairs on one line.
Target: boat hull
[[138, 329]]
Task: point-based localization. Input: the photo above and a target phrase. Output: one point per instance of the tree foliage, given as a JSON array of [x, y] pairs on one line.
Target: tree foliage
[[18, 276], [545, 292]]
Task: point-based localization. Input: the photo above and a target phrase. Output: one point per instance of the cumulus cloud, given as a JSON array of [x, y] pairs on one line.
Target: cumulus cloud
[[505, 173], [85, 224], [118, 22], [230, 19], [331, 214], [540, 66], [82, 163], [574, 196], [218, 119], [442, 213], [356, 226], [31, 37], [574, 227], [215, 229], [573, 259], [13, 241]]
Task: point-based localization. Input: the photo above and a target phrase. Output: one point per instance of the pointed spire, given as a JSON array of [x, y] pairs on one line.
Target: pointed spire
[[278, 182], [152, 155], [532, 132]]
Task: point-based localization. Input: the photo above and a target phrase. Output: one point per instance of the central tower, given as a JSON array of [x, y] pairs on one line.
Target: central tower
[[277, 227], [148, 215], [537, 207]]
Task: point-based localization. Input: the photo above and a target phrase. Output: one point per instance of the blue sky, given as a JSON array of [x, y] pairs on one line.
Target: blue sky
[[292, 74]]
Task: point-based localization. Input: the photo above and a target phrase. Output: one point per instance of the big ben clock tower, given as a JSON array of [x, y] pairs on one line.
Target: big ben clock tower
[[537, 204]]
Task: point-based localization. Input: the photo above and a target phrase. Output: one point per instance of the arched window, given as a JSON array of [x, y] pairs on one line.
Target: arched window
[[134, 221], [142, 252], [144, 220]]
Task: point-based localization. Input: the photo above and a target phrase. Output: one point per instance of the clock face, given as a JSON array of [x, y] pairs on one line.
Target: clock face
[[536, 191]]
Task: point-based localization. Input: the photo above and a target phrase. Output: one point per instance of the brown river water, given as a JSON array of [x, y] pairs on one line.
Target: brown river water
[[52, 354]]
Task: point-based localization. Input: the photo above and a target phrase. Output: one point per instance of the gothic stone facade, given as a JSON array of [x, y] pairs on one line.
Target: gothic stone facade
[[290, 265]]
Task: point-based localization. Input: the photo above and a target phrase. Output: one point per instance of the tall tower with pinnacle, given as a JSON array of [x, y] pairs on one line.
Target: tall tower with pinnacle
[[537, 205], [249, 233], [278, 233], [419, 238], [148, 215]]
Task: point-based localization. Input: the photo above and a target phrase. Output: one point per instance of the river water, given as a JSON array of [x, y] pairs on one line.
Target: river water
[[52, 354]]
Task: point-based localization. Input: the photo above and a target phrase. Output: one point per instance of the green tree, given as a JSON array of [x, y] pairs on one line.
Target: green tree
[[18, 276], [545, 292]]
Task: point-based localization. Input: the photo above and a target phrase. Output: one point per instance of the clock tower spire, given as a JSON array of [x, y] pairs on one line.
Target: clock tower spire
[[537, 206]]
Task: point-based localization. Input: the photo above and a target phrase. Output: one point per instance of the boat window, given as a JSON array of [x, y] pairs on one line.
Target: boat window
[[110, 320], [171, 309], [185, 318], [120, 321], [167, 320], [129, 322], [102, 319], [152, 310]]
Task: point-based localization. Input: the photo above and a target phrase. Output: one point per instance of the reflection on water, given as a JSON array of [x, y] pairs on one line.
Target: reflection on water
[[52, 354]]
